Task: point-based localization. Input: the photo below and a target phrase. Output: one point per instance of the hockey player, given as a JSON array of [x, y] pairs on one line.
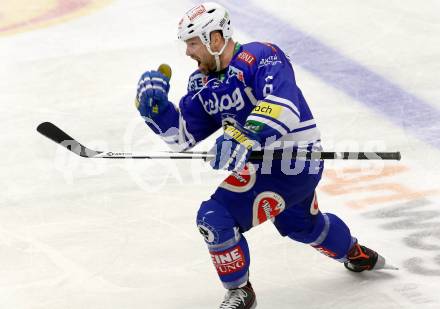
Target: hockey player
[[249, 91]]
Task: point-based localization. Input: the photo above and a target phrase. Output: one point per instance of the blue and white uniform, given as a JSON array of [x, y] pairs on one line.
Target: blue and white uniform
[[257, 91], [258, 88]]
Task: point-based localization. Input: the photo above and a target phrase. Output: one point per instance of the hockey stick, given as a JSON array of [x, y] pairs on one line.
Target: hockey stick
[[60, 137]]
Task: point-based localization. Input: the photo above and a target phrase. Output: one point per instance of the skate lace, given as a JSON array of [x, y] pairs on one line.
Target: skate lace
[[361, 257], [233, 299]]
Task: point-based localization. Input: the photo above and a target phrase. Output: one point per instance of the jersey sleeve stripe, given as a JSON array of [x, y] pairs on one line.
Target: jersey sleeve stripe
[[289, 107], [274, 98], [184, 134], [304, 128], [304, 137], [306, 123], [178, 139]]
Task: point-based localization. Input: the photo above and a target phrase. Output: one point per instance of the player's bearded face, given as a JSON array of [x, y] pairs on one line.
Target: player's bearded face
[[197, 51]]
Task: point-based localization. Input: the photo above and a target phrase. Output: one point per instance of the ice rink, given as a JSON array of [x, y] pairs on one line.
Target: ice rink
[[121, 234]]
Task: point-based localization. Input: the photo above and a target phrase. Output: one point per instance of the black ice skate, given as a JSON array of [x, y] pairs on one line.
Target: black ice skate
[[361, 258], [240, 298]]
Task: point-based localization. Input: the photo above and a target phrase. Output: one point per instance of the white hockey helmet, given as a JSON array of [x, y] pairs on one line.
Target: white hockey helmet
[[201, 20]]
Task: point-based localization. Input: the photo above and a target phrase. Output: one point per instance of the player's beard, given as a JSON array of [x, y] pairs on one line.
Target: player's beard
[[207, 66]]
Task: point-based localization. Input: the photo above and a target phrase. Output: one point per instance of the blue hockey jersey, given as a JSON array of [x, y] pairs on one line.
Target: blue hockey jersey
[[257, 91]]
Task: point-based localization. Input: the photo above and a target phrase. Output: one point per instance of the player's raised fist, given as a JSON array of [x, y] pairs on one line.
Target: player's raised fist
[[152, 92]]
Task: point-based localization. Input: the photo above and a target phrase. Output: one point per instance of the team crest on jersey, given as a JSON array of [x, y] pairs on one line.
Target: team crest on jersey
[[233, 71], [246, 57], [242, 181], [266, 206]]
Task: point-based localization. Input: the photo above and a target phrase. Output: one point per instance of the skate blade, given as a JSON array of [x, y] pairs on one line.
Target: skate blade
[[382, 264], [388, 266]]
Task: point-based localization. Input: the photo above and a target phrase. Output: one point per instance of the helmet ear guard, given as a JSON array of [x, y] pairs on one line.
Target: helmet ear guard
[[201, 21]]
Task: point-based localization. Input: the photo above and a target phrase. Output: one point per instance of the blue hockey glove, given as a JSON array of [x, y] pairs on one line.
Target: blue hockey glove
[[152, 94], [232, 150]]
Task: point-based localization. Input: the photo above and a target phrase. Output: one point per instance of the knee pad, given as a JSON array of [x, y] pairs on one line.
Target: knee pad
[[216, 225], [228, 248]]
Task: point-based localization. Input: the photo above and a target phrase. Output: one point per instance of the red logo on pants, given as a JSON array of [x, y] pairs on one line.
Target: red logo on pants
[[242, 181], [266, 206], [314, 208], [229, 261]]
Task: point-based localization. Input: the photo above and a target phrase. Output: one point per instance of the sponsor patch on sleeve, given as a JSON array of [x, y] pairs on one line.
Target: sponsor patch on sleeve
[[267, 109], [246, 57], [254, 126]]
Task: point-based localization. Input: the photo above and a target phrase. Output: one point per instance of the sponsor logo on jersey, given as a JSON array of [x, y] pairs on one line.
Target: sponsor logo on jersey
[[197, 81], [266, 206], [194, 12], [246, 57], [222, 103], [233, 71], [271, 60], [267, 109], [229, 261], [242, 181], [254, 126]]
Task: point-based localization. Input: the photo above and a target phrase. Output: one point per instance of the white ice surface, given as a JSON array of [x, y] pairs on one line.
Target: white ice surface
[[78, 233]]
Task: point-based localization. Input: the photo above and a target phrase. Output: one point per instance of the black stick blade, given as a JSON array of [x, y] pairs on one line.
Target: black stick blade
[[60, 137]]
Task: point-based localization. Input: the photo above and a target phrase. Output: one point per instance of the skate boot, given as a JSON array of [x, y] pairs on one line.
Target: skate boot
[[240, 298], [361, 258]]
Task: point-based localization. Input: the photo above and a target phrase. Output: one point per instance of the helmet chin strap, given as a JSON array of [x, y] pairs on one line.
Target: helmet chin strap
[[217, 54]]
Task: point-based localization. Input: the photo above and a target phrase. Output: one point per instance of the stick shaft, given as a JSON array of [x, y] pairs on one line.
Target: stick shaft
[[60, 137]]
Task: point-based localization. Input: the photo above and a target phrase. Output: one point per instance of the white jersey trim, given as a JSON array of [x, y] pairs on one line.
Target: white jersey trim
[[284, 101]]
